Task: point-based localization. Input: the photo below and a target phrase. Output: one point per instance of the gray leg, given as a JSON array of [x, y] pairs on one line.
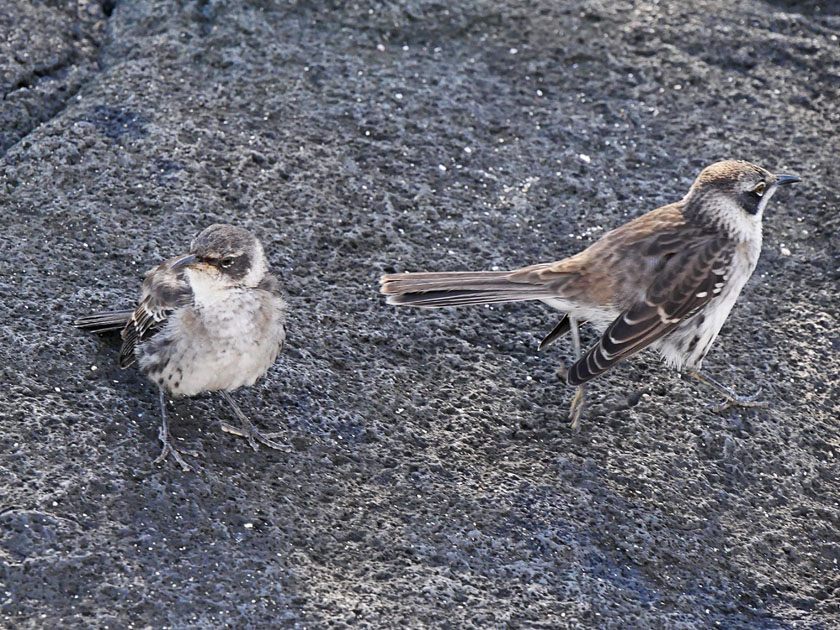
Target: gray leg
[[731, 397], [248, 430], [580, 395], [166, 437]]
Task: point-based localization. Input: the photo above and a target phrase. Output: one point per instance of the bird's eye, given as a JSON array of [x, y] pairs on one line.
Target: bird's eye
[[759, 190], [226, 262]]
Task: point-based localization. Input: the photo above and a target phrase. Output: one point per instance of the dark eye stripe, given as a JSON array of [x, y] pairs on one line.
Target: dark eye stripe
[[750, 202], [238, 267]]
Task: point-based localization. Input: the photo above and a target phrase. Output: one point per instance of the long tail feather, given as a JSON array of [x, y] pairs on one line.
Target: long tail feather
[[106, 321], [459, 288]]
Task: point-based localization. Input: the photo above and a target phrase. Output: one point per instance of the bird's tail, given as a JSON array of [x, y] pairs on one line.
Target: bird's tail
[[457, 288], [106, 321]]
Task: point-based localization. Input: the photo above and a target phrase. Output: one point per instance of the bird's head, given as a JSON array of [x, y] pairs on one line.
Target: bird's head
[[225, 256], [732, 196]]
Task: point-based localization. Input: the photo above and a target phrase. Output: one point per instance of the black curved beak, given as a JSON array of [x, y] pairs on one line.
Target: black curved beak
[[186, 261], [783, 180]]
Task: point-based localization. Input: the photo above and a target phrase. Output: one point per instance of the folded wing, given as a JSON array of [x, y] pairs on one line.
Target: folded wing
[[164, 290], [687, 280]]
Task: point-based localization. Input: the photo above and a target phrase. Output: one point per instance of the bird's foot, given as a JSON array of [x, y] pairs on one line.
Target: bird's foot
[[169, 449], [249, 431], [733, 400], [254, 435], [576, 409]]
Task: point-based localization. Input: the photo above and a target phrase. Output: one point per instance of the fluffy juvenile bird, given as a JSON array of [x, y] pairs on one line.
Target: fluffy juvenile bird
[[666, 280], [212, 320]]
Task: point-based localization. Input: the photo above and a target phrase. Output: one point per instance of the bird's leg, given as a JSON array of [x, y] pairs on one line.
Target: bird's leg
[[248, 430], [731, 397], [166, 437], [580, 395]]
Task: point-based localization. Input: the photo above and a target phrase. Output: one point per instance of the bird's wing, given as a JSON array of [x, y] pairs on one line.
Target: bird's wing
[[271, 285], [588, 277], [164, 290], [688, 278]]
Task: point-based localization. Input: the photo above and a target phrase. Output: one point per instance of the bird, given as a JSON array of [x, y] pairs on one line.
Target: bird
[[210, 320], [665, 280]]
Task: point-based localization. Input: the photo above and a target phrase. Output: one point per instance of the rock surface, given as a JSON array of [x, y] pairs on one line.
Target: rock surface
[[433, 481]]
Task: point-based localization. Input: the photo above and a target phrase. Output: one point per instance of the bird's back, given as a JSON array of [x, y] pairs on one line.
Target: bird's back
[[594, 277]]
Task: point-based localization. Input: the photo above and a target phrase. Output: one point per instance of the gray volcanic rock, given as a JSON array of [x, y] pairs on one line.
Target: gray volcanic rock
[[434, 482]]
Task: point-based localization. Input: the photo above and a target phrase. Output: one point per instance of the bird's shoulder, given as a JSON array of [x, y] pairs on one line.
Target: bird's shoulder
[[165, 289], [658, 230], [270, 284]]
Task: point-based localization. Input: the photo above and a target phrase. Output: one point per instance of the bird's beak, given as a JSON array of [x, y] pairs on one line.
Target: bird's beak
[[190, 261], [783, 180], [186, 261]]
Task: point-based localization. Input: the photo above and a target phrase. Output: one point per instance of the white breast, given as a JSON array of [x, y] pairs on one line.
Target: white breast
[[220, 347]]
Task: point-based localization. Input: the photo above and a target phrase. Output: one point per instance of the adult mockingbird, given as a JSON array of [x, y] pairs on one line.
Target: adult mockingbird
[[666, 280], [212, 320]]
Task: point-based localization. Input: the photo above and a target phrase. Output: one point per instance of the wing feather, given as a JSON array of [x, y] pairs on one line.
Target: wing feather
[[164, 290], [688, 279]]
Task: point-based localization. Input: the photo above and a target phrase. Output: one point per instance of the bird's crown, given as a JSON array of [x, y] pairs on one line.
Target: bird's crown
[[221, 240]]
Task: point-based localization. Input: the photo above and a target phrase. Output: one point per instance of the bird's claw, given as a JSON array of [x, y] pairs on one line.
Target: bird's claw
[[740, 401], [253, 435], [168, 449]]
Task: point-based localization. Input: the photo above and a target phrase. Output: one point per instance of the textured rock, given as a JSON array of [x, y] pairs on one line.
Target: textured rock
[[434, 482]]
